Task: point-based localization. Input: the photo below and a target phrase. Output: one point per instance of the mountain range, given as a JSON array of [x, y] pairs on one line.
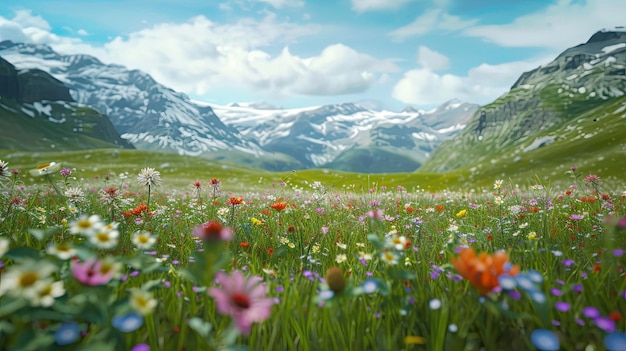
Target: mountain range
[[548, 112], [151, 116]]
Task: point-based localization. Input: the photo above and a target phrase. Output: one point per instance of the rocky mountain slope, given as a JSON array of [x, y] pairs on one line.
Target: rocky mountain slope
[[146, 113], [542, 105], [38, 113]]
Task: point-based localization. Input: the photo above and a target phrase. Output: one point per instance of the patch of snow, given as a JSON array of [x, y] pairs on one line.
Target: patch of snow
[[539, 142], [609, 60], [572, 76], [582, 90], [451, 128], [620, 109], [43, 109], [610, 48], [55, 120], [424, 136], [587, 66], [527, 86], [28, 112]]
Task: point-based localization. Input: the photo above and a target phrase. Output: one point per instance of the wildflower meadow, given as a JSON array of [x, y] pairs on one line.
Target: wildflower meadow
[[127, 263]]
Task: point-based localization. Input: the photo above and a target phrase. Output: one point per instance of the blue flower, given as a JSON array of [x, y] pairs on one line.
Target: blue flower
[[615, 341], [535, 276], [67, 333], [524, 282], [544, 340], [506, 282], [128, 322]]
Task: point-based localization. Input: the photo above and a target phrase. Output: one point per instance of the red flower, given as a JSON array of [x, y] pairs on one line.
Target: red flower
[[236, 200], [270, 251], [244, 244], [616, 316], [279, 206], [137, 211], [212, 230]]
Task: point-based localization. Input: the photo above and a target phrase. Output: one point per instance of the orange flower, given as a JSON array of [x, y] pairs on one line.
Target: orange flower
[[236, 200], [279, 206], [483, 270]]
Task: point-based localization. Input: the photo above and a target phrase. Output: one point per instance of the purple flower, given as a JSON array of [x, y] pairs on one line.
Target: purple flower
[[562, 306], [568, 263], [605, 323], [577, 288], [242, 298], [556, 292], [576, 217], [65, 172], [618, 253], [591, 312], [141, 347]]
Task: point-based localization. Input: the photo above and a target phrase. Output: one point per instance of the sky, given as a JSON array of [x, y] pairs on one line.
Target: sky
[[297, 53]]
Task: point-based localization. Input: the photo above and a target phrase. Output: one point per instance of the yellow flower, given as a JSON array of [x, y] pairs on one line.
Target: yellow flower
[[256, 221], [461, 213], [532, 236], [415, 340]]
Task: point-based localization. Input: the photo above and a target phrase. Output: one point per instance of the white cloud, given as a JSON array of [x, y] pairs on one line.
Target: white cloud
[[25, 19], [376, 5], [431, 59], [482, 84], [82, 32], [560, 25], [199, 56], [429, 21]]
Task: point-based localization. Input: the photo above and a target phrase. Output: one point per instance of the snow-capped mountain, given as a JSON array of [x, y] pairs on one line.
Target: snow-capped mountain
[[152, 116], [146, 113], [317, 135]]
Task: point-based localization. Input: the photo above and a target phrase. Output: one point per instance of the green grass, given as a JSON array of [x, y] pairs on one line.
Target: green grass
[[293, 249]]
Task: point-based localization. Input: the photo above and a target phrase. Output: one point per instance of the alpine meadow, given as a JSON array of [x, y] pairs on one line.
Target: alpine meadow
[[135, 217]]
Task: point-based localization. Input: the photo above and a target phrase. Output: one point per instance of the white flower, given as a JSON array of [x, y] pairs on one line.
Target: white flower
[[45, 292], [21, 279], [74, 194], [498, 184], [434, 304], [389, 258], [63, 251], [142, 301], [105, 239], [149, 177], [498, 200], [4, 170], [397, 242], [4, 246], [143, 240], [86, 225], [364, 256], [342, 245], [45, 169], [341, 258]]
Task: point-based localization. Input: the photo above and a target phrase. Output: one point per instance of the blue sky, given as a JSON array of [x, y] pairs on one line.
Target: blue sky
[[295, 53]]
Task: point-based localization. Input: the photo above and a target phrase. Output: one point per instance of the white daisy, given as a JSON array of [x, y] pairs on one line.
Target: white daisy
[[143, 240], [149, 177]]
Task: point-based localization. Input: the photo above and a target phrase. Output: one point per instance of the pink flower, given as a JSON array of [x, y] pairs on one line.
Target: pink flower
[[242, 298], [91, 272]]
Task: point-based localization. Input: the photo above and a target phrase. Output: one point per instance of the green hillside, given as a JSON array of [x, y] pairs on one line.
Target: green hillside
[[23, 127]]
